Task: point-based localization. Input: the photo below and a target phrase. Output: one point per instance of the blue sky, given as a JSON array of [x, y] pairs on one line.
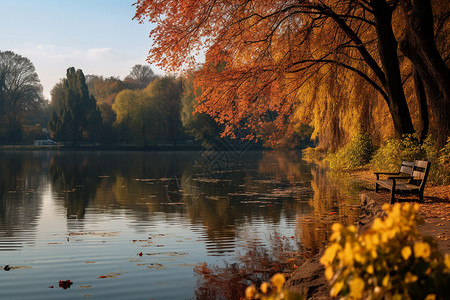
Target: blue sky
[[97, 36]]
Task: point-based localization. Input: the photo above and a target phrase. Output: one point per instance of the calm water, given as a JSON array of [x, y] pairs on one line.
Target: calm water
[[86, 216]]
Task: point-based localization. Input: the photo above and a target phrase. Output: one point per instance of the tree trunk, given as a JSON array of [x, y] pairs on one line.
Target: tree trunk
[[419, 46], [422, 128], [387, 47]]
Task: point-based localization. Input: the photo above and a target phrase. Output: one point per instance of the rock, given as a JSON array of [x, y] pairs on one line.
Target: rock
[[309, 280]]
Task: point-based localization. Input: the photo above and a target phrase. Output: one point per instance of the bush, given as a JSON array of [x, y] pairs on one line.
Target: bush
[[272, 291], [389, 261], [356, 154], [389, 156]]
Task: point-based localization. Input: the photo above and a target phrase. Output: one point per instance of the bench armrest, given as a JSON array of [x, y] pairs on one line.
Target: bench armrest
[[400, 177], [385, 173]]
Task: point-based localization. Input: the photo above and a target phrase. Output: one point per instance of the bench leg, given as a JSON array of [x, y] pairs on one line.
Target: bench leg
[[420, 197], [392, 196], [376, 187]]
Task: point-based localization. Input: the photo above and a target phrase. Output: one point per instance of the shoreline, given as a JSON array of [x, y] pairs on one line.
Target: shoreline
[[309, 279]]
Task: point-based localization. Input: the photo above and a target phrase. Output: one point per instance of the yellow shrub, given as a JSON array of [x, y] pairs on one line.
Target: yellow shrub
[[391, 260], [272, 291]]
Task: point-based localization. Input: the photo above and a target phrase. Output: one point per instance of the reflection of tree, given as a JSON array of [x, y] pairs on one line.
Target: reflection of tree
[[76, 174], [19, 205], [232, 200], [284, 166], [257, 264], [331, 202]]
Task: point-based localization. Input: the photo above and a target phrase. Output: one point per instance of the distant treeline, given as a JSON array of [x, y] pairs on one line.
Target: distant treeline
[[143, 109]]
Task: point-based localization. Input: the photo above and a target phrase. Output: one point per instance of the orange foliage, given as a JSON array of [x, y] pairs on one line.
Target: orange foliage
[[263, 60]]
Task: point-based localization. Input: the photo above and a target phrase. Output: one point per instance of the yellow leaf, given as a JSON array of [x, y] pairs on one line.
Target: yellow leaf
[[348, 254], [278, 281], [264, 287], [447, 262], [430, 297], [422, 249], [330, 254], [409, 278], [329, 273], [337, 287], [250, 292], [357, 288], [385, 281], [337, 227], [369, 269], [406, 252]]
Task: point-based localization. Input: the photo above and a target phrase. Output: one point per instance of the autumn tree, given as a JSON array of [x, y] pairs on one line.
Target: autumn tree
[[20, 92], [260, 55], [105, 91], [140, 76], [75, 116]]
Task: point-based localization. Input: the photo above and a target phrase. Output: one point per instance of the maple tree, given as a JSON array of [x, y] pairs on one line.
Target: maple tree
[[261, 57]]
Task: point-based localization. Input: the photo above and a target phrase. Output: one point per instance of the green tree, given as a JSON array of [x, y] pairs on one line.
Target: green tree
[[166, 93], [150, 115], [200, 126], [75, 114], [136, 117], [20, 92]]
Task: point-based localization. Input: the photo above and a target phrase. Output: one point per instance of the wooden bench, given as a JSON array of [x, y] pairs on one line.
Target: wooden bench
[[410, 179]]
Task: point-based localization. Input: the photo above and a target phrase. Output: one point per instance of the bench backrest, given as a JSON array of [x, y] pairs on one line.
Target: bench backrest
[[407, 168], [420, 172]]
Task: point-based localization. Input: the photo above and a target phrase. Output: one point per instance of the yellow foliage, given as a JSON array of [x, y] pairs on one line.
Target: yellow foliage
[[272, 291], [386, 261]]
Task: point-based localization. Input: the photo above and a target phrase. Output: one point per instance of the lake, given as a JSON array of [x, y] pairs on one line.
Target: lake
[[149, 225]]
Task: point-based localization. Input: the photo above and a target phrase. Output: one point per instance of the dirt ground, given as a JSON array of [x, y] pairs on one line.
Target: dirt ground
[[309, 280], [435, 209]]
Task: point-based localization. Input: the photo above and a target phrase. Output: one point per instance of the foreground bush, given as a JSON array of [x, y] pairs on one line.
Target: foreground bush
[[391, 260], [272, 290]]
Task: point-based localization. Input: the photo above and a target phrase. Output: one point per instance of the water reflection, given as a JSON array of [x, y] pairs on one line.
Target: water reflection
[[19, 207], [52, 198]]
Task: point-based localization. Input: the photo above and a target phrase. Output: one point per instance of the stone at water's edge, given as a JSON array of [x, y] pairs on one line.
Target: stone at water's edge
[[309, 279], [371, 208]]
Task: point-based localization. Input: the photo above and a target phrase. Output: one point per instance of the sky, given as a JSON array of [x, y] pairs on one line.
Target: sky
[[96, 36]]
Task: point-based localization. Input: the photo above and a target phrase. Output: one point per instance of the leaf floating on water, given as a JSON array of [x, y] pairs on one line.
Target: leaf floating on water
[[85, 286], [90, 262], [7, 268], [110, 275], [168, 253], [103, 234], [21, 267], [140, 253], [65, 284], [156, 266]]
